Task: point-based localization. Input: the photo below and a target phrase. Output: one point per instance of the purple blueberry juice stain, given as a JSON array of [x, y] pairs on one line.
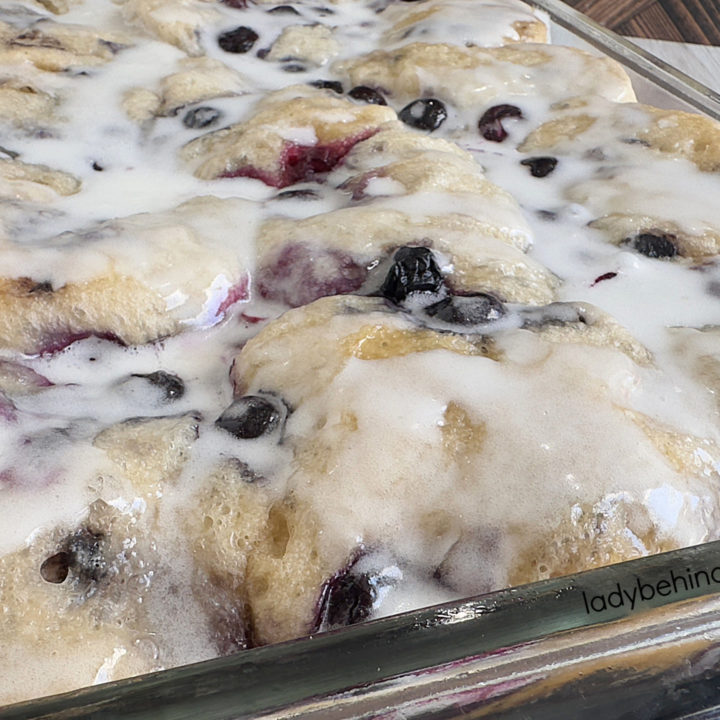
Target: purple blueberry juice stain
[[302, 273], [490, 125]]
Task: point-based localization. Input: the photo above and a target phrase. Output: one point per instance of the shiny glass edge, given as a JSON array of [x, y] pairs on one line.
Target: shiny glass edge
[[632, 56], [290, 678]]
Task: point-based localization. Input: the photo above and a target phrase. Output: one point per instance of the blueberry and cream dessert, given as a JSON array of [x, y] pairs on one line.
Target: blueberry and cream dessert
[[313, 313]]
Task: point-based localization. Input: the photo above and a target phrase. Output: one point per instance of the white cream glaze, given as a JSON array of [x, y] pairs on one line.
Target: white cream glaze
[[50, 471]]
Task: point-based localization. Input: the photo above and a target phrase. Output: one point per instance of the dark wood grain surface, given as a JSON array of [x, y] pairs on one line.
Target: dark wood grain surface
[[695, 21]]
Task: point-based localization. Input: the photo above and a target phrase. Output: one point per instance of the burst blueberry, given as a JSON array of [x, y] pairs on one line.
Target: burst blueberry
[[346, 599], [414, 270], [490, 125]]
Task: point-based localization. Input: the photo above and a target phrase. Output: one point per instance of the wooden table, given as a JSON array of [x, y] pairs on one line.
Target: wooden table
[[694, 21]]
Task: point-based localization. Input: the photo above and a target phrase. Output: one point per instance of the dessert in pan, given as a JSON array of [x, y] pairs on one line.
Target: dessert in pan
[[311, 314]]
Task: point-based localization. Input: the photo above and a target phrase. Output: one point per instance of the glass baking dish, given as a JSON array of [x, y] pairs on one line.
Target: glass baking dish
[[640, 639]]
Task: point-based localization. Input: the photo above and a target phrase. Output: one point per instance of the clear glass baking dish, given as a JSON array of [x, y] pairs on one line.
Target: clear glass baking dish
[[636, 640]]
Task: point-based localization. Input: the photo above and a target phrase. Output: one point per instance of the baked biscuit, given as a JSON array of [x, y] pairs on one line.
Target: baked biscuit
[[485, 23], [564, 496], [301, 260], [124, 279], [312, 44], [56, 47], [473, 77], [177, 22], [649, 165], [196, 80], [294, 134], [97, 587]]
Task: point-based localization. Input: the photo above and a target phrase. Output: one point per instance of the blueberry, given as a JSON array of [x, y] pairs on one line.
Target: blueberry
[[540, 167], [333, 85], [171, 385], [201, 117], [655, 245], [56, 568], [345, 599], [239, 40], [424, 114], [300, 194], [97, 167], [294, 68], [283, 10], [251, 416], [367, 94], [414, 270], [467, 309], [489, 124]]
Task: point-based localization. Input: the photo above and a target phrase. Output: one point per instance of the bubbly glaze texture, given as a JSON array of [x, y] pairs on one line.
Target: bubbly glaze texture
[[315, 313]]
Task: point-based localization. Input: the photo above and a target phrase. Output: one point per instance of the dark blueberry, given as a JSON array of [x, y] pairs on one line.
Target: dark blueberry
[[424, 114], [239, 40], [237, 4], [467, 309], [414, 270], [333, 85], [367, 94], [489, 124], [294, 68], [97, 167], [171, 385], [345, 599], [302, 194], [655, 246], [540, 167], [323, 11], [283, 10], [262, 53], [201, 117], [56, 568], [251, 416]]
